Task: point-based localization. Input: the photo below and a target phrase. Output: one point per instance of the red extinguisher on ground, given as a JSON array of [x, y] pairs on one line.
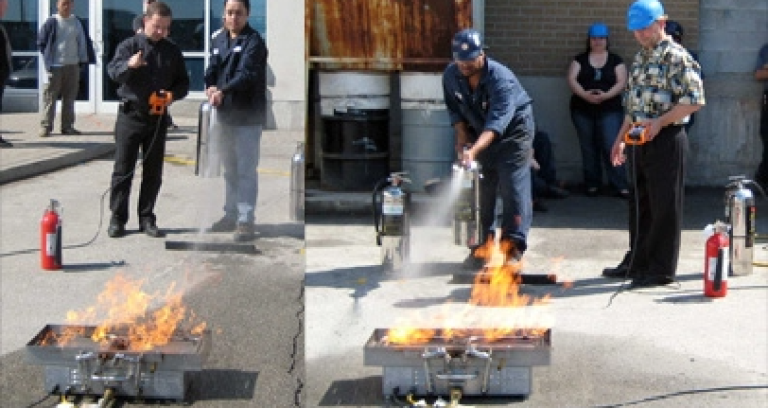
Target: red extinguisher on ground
[[716, 263], [50, 237]]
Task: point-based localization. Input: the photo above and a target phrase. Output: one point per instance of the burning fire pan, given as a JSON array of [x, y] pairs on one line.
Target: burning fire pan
[[471, 363], [81, 365]]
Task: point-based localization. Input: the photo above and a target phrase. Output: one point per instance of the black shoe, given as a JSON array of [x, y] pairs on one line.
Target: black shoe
[[116, 229], [226, 224], [150, 228], [623, 193], [71, 131], [245, 231], [650, 281], [473, 263], [4, 143], [622, 269], [592, 192], [556, 192], [539, 206]]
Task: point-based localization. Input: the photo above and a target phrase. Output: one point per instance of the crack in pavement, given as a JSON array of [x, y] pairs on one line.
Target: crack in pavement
[[296, 340]]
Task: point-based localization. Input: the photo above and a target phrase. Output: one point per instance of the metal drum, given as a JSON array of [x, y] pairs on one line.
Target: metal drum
[[428, 138]]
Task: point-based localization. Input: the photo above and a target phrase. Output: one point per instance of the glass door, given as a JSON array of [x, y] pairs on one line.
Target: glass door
[[114, 24]]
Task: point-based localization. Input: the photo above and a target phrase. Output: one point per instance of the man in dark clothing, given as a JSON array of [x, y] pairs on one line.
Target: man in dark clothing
[[544, 183], [761, 74], [493, 119], [5, 64], [144, 64], [236, 86]]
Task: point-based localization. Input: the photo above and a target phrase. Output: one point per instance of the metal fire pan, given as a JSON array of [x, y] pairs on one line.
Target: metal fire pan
[[183, 352], [508, 351]]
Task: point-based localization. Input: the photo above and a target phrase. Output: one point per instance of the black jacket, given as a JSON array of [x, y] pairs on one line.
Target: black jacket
[[165, 70], [238, 67]]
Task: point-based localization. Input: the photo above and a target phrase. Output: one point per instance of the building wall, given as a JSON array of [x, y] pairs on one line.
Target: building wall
[[287, 71], [538, 39]]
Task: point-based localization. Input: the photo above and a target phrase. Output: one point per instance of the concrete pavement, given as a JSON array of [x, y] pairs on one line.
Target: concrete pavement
[[239, 294]]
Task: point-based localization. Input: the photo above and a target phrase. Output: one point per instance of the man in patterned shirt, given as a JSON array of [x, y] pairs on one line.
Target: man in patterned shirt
[[663, 90]]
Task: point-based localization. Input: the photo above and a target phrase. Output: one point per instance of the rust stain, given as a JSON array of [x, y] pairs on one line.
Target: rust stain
[[384, 34]]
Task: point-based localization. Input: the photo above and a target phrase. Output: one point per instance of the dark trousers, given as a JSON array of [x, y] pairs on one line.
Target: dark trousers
[[546, 175], [762, 171], [658, 168], [137, 131], [513, 184]]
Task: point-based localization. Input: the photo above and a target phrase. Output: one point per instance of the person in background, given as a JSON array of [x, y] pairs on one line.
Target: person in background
[[6, 63], [675, 30], [761, 74], [597, 78], [663, 89], [66, 47], [492, 116], [143, 65], [544, 183], [236, 86]]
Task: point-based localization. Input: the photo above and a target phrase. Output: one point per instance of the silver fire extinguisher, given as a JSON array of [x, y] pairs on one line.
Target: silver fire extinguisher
[[466, 215], [296, 208], [391, 206], [208, 162], [740, 216]]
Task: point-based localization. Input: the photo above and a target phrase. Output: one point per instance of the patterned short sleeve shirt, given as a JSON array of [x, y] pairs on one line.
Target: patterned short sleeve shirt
[[661, 78]]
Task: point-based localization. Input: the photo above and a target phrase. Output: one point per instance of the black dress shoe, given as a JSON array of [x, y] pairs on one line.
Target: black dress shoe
[[650, 281], [619, 272], [149, 228], [116, 230], [539, 206], [622, 269]]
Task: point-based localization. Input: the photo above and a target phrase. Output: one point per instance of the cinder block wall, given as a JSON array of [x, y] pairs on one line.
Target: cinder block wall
[[538, 39]]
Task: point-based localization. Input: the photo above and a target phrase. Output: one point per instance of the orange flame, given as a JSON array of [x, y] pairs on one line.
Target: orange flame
[[127, 312], [507, 311]]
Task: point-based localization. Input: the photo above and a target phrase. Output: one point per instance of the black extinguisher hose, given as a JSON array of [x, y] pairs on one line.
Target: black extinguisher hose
[[376, 204]]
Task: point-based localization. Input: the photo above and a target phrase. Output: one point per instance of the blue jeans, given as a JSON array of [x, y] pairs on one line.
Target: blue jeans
[[513, 184], [240, 150], [597, 132]]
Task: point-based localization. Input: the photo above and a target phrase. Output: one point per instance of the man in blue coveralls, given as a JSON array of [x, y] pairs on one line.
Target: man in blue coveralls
[[493, 119]]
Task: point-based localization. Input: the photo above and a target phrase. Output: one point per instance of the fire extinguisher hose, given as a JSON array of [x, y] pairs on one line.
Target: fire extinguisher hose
[[101, 203]]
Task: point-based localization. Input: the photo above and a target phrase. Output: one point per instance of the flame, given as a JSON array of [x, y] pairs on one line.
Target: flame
[[126, 311], [506, 311]]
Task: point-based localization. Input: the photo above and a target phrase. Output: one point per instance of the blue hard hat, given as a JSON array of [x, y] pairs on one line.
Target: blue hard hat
[[598, 30], [466, 45], [643, 13]]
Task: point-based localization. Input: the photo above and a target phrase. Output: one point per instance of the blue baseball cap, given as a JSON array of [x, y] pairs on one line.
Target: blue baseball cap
[[467, 45]]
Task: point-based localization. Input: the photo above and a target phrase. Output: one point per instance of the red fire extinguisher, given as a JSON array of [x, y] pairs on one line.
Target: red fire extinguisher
[[50, 237], [716, 263]]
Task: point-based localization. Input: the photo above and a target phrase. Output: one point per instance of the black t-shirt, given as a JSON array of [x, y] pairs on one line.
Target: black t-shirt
[[602, 78]]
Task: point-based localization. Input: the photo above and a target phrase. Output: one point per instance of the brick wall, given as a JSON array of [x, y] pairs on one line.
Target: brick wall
[[540, 37]]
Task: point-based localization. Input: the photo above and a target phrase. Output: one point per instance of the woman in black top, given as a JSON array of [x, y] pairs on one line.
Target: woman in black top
[[597, 78]]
